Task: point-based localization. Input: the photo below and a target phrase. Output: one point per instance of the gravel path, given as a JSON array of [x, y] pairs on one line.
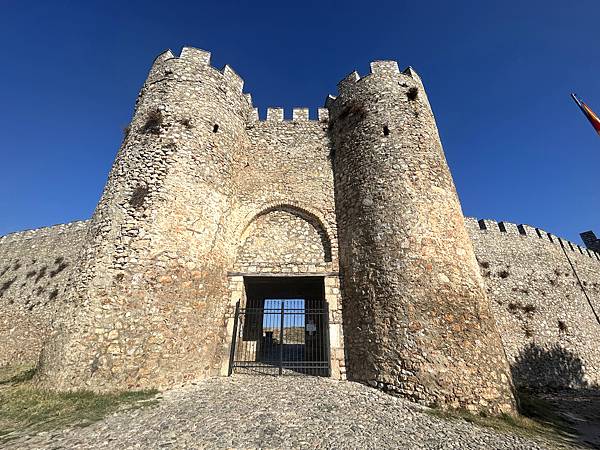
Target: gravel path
[[271, 412]]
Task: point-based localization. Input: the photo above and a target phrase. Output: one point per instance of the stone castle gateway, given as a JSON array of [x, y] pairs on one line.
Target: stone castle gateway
[[206, 206]]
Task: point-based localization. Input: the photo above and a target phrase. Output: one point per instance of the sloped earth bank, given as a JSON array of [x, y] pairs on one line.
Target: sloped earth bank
[[286, 412]]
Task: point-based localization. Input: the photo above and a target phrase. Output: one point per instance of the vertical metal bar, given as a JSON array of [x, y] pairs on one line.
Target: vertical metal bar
[[251, 340], [310, 336], [316, 353], [245, 328], [296, 334], [302, 328], [317, 348], [243, 337], [326, 338], [318, 341], [281, 339], [234, 339], [300, 331]]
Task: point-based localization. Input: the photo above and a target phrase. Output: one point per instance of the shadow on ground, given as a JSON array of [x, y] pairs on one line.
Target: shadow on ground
[[552, 389]]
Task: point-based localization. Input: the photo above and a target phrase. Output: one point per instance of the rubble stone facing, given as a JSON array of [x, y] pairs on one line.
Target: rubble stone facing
[[203, 192], [285, 239], [154, 289], [417, 319], [35, 268], [151, 296], [545, 295]]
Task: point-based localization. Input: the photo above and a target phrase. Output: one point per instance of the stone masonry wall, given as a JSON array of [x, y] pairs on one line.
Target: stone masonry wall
[[545, 295], [35, 267], [283, 240], [203, 193], [285, 176], [548, 328], [194, 172]]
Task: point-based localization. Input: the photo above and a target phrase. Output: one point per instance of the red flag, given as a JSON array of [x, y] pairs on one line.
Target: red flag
[[591, 115]]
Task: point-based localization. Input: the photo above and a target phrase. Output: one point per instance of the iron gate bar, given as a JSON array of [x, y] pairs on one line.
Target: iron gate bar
[[281, 339], [233, 339], [297, 342], [327, 343]]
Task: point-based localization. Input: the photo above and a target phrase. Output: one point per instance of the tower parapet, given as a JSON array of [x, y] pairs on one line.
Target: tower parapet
[[417, 318]]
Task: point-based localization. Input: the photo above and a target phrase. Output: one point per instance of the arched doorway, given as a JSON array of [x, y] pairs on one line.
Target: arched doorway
[[281, 325]]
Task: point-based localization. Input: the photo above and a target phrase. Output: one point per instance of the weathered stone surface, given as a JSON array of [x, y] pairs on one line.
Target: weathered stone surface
[[417, 319], [545, 295], [203, 193], [198, 186], [35, 268]]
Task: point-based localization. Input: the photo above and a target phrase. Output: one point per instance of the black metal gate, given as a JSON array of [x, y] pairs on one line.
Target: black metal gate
[[288, 337]]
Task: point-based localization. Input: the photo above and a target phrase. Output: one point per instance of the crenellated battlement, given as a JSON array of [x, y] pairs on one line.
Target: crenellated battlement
[[377, 68], [195, 54], [276, 114], [186, 67], [523, 230], [191, 62]]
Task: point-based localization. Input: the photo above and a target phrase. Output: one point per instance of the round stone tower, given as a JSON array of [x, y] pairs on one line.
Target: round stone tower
[[149, 294], [416, 316]]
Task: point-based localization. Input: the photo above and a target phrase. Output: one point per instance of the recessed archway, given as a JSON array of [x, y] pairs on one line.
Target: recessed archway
[[284, 236]]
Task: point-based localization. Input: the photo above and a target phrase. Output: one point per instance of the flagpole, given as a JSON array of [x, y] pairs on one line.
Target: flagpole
[[588, 113]]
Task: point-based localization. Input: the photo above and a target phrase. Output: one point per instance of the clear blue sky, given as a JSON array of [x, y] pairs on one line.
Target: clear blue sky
[[498, 75]]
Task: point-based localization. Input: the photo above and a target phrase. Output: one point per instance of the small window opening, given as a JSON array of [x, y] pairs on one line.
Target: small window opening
[[412, 93], [386, 130], [215, 128]]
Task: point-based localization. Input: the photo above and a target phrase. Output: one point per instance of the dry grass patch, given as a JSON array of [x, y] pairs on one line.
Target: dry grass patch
[[25, 409]]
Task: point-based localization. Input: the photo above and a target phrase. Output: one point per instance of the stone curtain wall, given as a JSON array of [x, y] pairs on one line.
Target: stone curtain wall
[[35, 267], [548, 328], [541, 288], [417, 320], [203, 192]]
